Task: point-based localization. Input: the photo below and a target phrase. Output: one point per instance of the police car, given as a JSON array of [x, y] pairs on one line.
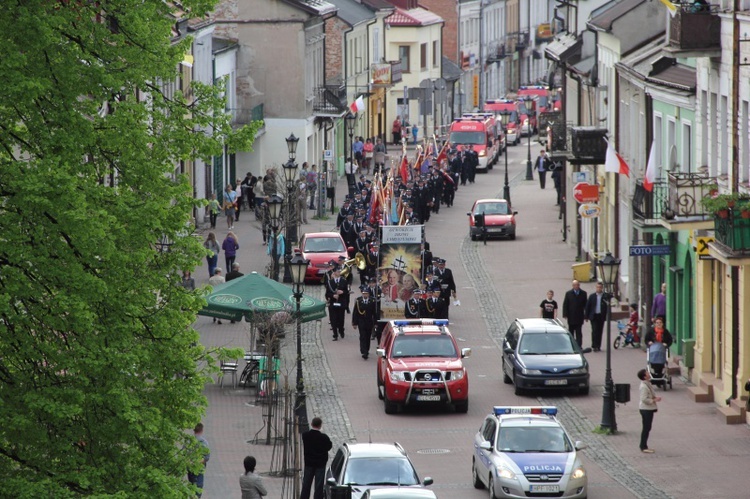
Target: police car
[[525, 452]]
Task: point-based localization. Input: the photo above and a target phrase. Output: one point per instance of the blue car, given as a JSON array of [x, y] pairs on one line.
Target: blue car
[[525, 452], [542, 354]]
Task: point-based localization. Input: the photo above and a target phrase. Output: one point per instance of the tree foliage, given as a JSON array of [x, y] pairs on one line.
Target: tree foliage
[[100, 371]]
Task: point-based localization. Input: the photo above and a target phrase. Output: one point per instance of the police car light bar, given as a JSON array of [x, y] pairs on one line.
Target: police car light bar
[[546, 410]]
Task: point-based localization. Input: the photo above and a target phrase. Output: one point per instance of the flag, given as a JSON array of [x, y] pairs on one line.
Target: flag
[[443, 155], [357, 105], [614, 162], [373, 212], [672, 8], [648, 180], [418, 163], [404, 169]]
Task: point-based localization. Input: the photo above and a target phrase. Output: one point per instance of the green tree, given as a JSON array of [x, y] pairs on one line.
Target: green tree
[[101, 373]]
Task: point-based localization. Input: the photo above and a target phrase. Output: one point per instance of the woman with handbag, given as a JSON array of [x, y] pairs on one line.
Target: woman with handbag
[[230, 196]]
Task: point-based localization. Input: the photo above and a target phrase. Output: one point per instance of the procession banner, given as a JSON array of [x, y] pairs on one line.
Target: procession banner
[[399, 267]]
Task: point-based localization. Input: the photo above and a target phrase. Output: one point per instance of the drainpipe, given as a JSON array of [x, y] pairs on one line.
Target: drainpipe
[[735, 188]]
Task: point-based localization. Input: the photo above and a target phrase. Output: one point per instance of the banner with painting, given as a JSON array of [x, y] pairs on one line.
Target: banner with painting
[[399, 267]]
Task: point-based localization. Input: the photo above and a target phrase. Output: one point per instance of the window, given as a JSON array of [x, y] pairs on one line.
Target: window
[[423, 56], [687, 147], [435, 53], [404, 56]]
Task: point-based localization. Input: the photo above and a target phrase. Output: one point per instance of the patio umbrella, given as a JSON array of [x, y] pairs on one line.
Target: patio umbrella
[[254, 293]]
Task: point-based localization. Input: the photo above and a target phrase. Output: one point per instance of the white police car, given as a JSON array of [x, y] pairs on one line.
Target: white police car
[[525, 452]]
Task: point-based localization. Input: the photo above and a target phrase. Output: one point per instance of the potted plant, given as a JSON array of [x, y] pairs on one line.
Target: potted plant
[[718, 204]]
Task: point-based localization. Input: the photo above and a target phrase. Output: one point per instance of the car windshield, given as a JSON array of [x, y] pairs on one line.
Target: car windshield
[[380, 471], [323, 245], [508, 118], [424, 345], [546, 344], [468, 137], [491, 209], [533, 439]]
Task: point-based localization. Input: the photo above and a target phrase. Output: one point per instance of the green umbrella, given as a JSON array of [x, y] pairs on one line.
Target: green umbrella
[[254, 293]]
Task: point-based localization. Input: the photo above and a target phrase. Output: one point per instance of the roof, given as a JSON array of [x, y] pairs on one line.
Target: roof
[[413, 17], [402, 493], [669, 73], [352, 12], [451, 71], [639, 63], [378, 4], [375, 450], [604, 17], [541, 324], [314, 7]]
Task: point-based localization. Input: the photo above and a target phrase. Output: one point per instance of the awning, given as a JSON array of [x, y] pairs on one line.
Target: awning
[[563, 48]]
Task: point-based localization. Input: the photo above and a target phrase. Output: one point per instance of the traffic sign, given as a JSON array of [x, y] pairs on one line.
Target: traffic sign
[[650, 250], [328, 155], [586, 193]]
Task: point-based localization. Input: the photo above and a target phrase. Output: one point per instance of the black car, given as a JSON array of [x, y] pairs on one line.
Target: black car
[[542, 354]]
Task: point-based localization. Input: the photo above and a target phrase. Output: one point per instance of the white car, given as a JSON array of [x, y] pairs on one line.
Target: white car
[[399, 494], [525, 452]]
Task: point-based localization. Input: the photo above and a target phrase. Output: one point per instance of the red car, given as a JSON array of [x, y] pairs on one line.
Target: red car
[[499, 219], [320, 248], [419, 362]]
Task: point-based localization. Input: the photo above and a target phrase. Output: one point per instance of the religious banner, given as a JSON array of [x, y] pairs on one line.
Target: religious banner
[[399, 267]]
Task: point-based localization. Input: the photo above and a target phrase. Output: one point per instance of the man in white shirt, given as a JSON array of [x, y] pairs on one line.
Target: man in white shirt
[[350, 168]]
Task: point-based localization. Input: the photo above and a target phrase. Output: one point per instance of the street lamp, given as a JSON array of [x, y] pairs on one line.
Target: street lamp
[[527, 100], [350, 121], [274, 213], [298, 266], [290, 175], [609, 266], [506, 188]]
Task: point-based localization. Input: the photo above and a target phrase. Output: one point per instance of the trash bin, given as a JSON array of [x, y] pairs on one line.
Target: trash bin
[[622, 393], [341, 492], [582, 271]]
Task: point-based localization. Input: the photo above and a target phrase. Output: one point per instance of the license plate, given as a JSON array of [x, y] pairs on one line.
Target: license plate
[[544, 488], [428, 391], [428, 398], [555, 381]]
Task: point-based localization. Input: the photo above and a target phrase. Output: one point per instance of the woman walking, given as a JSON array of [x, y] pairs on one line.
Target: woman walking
[[230, 247], [213, 210], [212, 245], [229, 198]]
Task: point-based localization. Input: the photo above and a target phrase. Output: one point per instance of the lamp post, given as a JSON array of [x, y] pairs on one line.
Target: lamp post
[[608, 269], [506, 188], [527, 100], [274, 213], [298, 266], [290, 175], [350, 121]]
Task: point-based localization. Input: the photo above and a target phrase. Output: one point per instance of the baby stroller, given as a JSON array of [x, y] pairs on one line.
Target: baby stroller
[[657, 358], [627, 336]]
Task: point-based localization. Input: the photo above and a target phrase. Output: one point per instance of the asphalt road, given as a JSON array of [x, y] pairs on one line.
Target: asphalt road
[[697, 455]]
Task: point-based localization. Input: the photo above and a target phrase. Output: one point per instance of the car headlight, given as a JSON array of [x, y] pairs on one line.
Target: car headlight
[[579, 370], [578, 473], [456, 375], [398, 376], [482, 154], [526, 122], [505, 473], [533, 372]]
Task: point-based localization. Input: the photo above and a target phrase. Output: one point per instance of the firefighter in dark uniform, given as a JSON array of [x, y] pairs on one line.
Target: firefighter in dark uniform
[[363, 319], [436, 306], [413, 305], [372, 258], [337, 298], [444, 276]]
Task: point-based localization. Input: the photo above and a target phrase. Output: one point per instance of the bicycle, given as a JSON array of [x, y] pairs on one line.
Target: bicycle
[[626, 336]]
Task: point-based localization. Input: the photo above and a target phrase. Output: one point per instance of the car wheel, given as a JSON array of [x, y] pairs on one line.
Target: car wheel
[[584, 390], [492, 489], [390, 407], [513, 237], [477, 481], [462, 407], [381, 389], [616, 344], [516, 389], [472, 236]]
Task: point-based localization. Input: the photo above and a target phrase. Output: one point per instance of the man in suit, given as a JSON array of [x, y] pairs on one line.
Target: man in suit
[[542, 165], [234, 273], [316, 446], [433, 307], [596, 313], [337, 297], [363, 319], [573, 309]]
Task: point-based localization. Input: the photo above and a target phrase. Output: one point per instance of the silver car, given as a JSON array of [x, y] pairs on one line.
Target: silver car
[[372, 467], [524, 452]]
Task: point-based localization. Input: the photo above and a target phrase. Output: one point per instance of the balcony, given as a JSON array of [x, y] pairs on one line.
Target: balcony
[[496, 53], [695, 31], [733, 232], [329, 101], [649, 207], [684, 210]]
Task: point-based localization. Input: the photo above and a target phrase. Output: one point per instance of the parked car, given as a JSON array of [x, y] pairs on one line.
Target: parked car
[[419, 362], [526, 452], [541, 353], [399, 493], [320, 248], [497, 216], [368, 466]]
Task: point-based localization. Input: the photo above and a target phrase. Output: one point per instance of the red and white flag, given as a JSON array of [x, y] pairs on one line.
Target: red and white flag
[[357, 105], [650, 178], [614, 162]]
